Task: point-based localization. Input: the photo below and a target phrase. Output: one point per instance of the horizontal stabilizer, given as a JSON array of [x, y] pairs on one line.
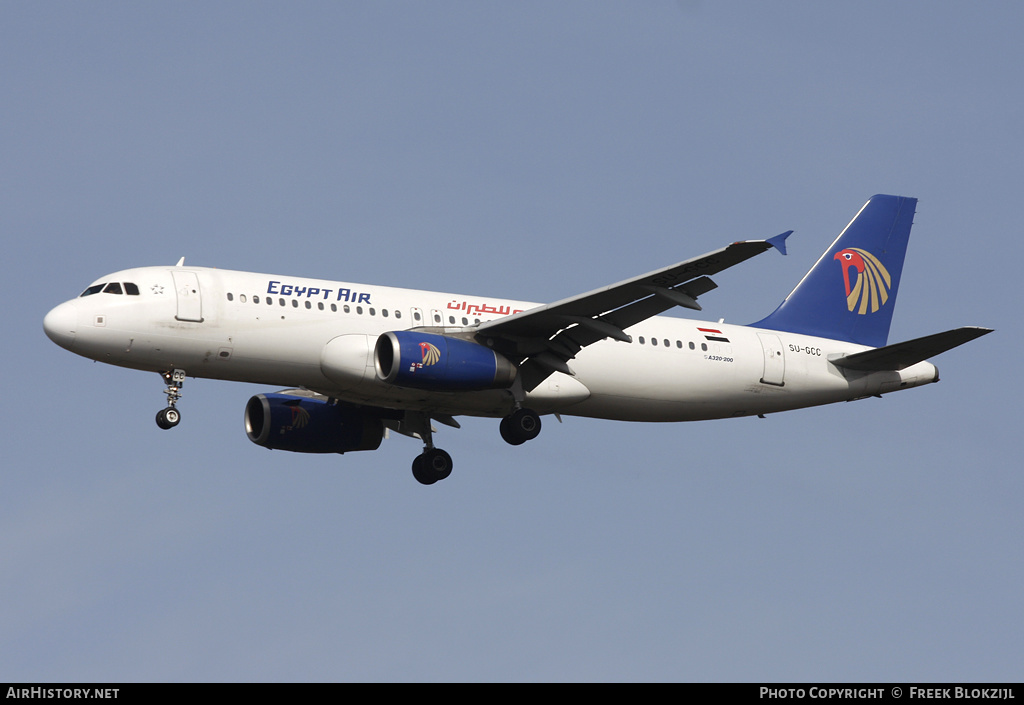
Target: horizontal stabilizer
[[903, 355]]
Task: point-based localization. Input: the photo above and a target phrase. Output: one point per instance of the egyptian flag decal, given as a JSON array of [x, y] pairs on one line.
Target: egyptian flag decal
[[713, 335]]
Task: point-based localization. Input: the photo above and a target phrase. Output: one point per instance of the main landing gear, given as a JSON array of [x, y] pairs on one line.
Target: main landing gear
[[170, 417], [432, 464], [520, 426]]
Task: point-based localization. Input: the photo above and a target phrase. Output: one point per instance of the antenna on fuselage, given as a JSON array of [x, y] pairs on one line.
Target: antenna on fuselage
[[181, 262]]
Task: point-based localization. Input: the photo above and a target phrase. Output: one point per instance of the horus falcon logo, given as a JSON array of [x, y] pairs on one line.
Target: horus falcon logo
[[430, 354], [870, 290], [300, 417]]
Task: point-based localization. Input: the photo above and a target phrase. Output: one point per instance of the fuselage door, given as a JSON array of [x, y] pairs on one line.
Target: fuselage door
[[190, 303], [774, 359], [417, 318]]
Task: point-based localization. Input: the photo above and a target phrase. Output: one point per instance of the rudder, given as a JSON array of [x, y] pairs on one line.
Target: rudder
[[850, 292]]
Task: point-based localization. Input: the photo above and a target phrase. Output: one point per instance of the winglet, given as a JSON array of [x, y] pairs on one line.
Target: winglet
[[779, 241], [181, 262]]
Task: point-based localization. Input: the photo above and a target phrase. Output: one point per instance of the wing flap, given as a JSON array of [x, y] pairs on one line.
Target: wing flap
[[902, 355]]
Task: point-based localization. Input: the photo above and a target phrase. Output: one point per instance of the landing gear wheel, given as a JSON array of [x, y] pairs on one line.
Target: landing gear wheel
[[168, 418], [420, 473], [431, 465], [520, 426]]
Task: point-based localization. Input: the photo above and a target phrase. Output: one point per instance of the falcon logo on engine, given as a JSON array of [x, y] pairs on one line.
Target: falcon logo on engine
[[429, 355]]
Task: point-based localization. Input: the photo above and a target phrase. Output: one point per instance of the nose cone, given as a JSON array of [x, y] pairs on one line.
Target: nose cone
[[61, 323]]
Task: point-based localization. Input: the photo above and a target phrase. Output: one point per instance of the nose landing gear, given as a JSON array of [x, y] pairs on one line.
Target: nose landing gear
[[170, 417]]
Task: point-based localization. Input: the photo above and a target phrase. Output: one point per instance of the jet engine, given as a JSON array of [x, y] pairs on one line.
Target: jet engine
[[439, 363], [306, 423]]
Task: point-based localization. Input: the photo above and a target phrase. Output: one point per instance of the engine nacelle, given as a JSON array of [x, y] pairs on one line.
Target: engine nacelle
[[439, 363], [307, 424]]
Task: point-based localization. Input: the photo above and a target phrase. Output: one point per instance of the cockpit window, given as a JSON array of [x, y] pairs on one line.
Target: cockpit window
[[112, 288]]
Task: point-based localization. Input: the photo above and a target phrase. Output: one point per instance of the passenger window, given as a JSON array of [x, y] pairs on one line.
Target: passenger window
[[384, 312], [309, 304], [398, 314], [641, 340], [112, 288], [231, 297], [255, 299], [94, 289], [131, 289], [241, 297], [320, 305]]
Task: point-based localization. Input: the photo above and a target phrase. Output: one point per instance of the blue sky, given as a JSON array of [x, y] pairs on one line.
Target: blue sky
[[533, 151]]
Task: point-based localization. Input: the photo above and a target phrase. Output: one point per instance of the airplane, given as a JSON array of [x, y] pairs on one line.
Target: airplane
[[358, 361]]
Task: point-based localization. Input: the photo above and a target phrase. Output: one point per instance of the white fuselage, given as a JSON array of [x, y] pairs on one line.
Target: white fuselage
[[320, 335]]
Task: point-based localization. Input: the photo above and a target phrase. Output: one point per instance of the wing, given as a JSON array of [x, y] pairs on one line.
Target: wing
[[543, 340]]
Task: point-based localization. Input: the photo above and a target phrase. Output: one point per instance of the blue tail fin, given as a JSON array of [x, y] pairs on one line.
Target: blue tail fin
[[850, 292]]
